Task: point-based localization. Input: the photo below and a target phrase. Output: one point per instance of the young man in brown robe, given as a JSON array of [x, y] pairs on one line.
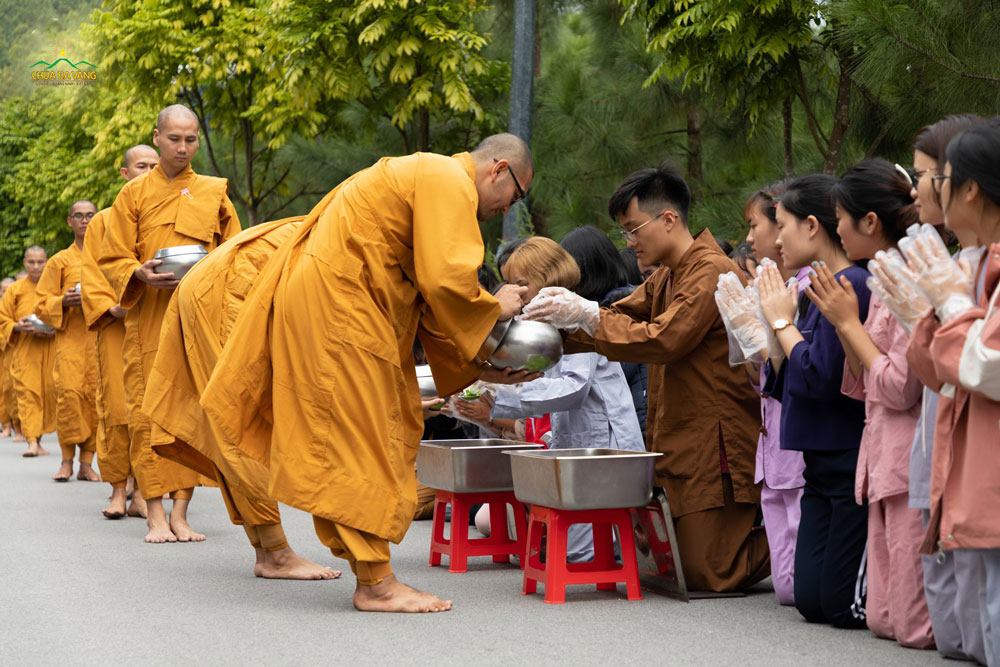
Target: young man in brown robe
[[704, 417]]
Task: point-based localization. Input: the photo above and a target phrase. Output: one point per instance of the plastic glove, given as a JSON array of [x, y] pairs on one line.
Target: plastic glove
[[564, 310], [739, 314], [896, 286], [945, 284]]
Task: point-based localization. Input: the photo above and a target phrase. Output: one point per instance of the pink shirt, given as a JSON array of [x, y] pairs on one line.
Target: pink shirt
[[891, 392]]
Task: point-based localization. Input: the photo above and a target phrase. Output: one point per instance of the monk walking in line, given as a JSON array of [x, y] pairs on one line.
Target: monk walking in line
[[32, 358], [58, 305], [195, 329], [8, 416], [317, 378], [169, 206], [105, 315]]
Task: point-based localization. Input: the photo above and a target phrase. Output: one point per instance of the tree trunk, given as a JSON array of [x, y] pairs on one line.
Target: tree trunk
[[521, 95], [786, 139], [841, 119], [694, 171], [424, 131]]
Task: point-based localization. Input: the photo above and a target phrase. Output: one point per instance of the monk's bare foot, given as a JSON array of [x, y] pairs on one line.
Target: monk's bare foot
[[286, 564], [65, 472], [87, 473], [392, 595], [259, 555], [18, 436], [5, 432], [42, 451], [137, 507], [33, 449], [116, 509], [159, 532], [182, 530]]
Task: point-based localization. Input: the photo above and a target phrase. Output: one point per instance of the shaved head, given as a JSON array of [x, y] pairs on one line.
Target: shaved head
[[508, 147], [20, 274], [139, 150], [83, 204], [5, 283], [35, 249], [174, 111]]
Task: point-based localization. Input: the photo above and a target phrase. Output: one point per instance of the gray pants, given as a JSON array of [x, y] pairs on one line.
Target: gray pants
[[989, 602]]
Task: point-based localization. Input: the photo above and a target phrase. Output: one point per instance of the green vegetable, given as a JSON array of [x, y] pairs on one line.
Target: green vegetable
[[471, 394], [537, 362]]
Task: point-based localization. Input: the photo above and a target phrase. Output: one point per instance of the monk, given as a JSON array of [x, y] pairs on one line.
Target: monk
[[195, 329], [33, 359], [105, 315], [9, 397], [317, 378], [75, 346], [7, 417], [169, 206]]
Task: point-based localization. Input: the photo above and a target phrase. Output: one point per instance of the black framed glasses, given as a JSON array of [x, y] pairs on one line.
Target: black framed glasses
[[78, 216], [521, 194], [937, 180]]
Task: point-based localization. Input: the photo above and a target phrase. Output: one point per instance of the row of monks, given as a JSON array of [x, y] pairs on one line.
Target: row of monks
[[280, 368]]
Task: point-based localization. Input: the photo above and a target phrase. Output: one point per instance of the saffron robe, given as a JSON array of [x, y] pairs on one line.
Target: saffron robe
[[32, 362], [195, 329], [152, 212], [8, 401], [317, 379], [112, 418], [75, 371]]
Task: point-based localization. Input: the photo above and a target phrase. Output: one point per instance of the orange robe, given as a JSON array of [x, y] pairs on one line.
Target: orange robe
[[32, 362], [150, 213], [8, 404], [195, 328], [98, 298], [75, 351], [323, 347]]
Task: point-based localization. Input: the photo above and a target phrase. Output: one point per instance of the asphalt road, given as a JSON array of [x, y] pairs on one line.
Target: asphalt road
[[81, 590]]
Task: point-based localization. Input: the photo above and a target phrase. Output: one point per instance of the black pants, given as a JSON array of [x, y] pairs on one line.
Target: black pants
[[829, 576]]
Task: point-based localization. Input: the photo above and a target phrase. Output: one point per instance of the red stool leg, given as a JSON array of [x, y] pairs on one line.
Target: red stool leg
[[630, 564], [498, 528], [555, 558], [438, 542], [459, 557], [530, 561], [520, 529], [604, 552]]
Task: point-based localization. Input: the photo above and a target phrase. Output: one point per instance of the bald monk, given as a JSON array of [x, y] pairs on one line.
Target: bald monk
[[195, 329], [105, 315], [317, 377], [75, 346], [7, 387], [169, 206], [7, 418], [33, 358]]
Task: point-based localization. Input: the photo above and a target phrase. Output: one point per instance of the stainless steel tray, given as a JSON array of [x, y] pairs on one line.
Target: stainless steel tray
[[583, 479], [467, 466]]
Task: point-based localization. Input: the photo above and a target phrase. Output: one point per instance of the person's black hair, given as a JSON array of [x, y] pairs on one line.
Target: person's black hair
[[725, 246], [974, 156], [503, 252], [766, 198], [877, 186], [810, 195], [488, 279], [742, 254], [655, 188], [631, 262], [601, 268], [932, 140]]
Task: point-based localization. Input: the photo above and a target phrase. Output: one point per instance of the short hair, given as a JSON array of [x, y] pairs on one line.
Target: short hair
[[174, 110], [654, 188], [725, 246], [876, 186], [81, 201], [543, 261], [127, 158], [743, 255], [974, 155], [488, 279], [6, 282], [810, 195], [35, 248], [601, 268], [508, 147]]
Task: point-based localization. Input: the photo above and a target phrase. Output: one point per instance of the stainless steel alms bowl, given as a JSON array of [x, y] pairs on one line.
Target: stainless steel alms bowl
[[38, 325], [533, 346], [179, 259], [426, 382], [492, 341]]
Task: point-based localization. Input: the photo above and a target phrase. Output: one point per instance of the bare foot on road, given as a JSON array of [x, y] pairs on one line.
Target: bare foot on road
[[159, 531], [116, 509], [87, 473], [182, 530], [65, 472], [392, 595], [286, 564], [138, 506]]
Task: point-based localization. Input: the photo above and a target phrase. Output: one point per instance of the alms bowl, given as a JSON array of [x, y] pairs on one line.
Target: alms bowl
[[178, 259], [531, 346], [38, 325]]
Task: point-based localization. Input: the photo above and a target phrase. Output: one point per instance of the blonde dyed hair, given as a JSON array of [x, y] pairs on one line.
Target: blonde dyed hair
[[544, 262]]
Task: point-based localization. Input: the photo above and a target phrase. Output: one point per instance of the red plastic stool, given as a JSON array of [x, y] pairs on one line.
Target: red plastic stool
[[555, 573], [458, 547]]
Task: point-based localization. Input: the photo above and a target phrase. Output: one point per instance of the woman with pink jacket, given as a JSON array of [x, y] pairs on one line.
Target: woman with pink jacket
[[874, 209]]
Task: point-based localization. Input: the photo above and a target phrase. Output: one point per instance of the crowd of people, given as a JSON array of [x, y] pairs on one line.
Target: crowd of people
[[826, 395]]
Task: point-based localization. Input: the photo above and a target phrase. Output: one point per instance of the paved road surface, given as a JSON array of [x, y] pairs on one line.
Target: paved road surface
[[80, 590]]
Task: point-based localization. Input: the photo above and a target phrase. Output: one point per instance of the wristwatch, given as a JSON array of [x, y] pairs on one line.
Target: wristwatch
[[780, 324]]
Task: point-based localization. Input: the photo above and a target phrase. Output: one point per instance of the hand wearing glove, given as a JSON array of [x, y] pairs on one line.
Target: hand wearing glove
[[739, 314], [564, 309], [896, 286], [945, 283]]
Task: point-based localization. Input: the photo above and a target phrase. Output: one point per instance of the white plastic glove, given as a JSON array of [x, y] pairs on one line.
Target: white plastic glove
[[945, 284], [563, 309], [739, 314], [896, 286]]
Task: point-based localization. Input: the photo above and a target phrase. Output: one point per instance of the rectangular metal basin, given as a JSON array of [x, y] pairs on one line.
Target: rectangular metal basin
[[583, 479], [467, 466]]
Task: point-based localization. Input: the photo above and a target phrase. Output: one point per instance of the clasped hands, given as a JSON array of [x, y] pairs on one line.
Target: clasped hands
[[749, 312]]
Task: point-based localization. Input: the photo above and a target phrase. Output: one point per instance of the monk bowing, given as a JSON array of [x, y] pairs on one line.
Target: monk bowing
[[317, 378], [32, 359], [105, 315], [75, 346], [169, 206], [195, 329], [8, 417]]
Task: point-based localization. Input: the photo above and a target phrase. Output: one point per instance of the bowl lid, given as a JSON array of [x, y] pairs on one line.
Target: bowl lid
[[180, 250]]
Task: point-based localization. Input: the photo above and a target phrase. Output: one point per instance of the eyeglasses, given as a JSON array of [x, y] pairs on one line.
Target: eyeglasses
[[520, 191], [937, 181], [83, 216], [629, 234]]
